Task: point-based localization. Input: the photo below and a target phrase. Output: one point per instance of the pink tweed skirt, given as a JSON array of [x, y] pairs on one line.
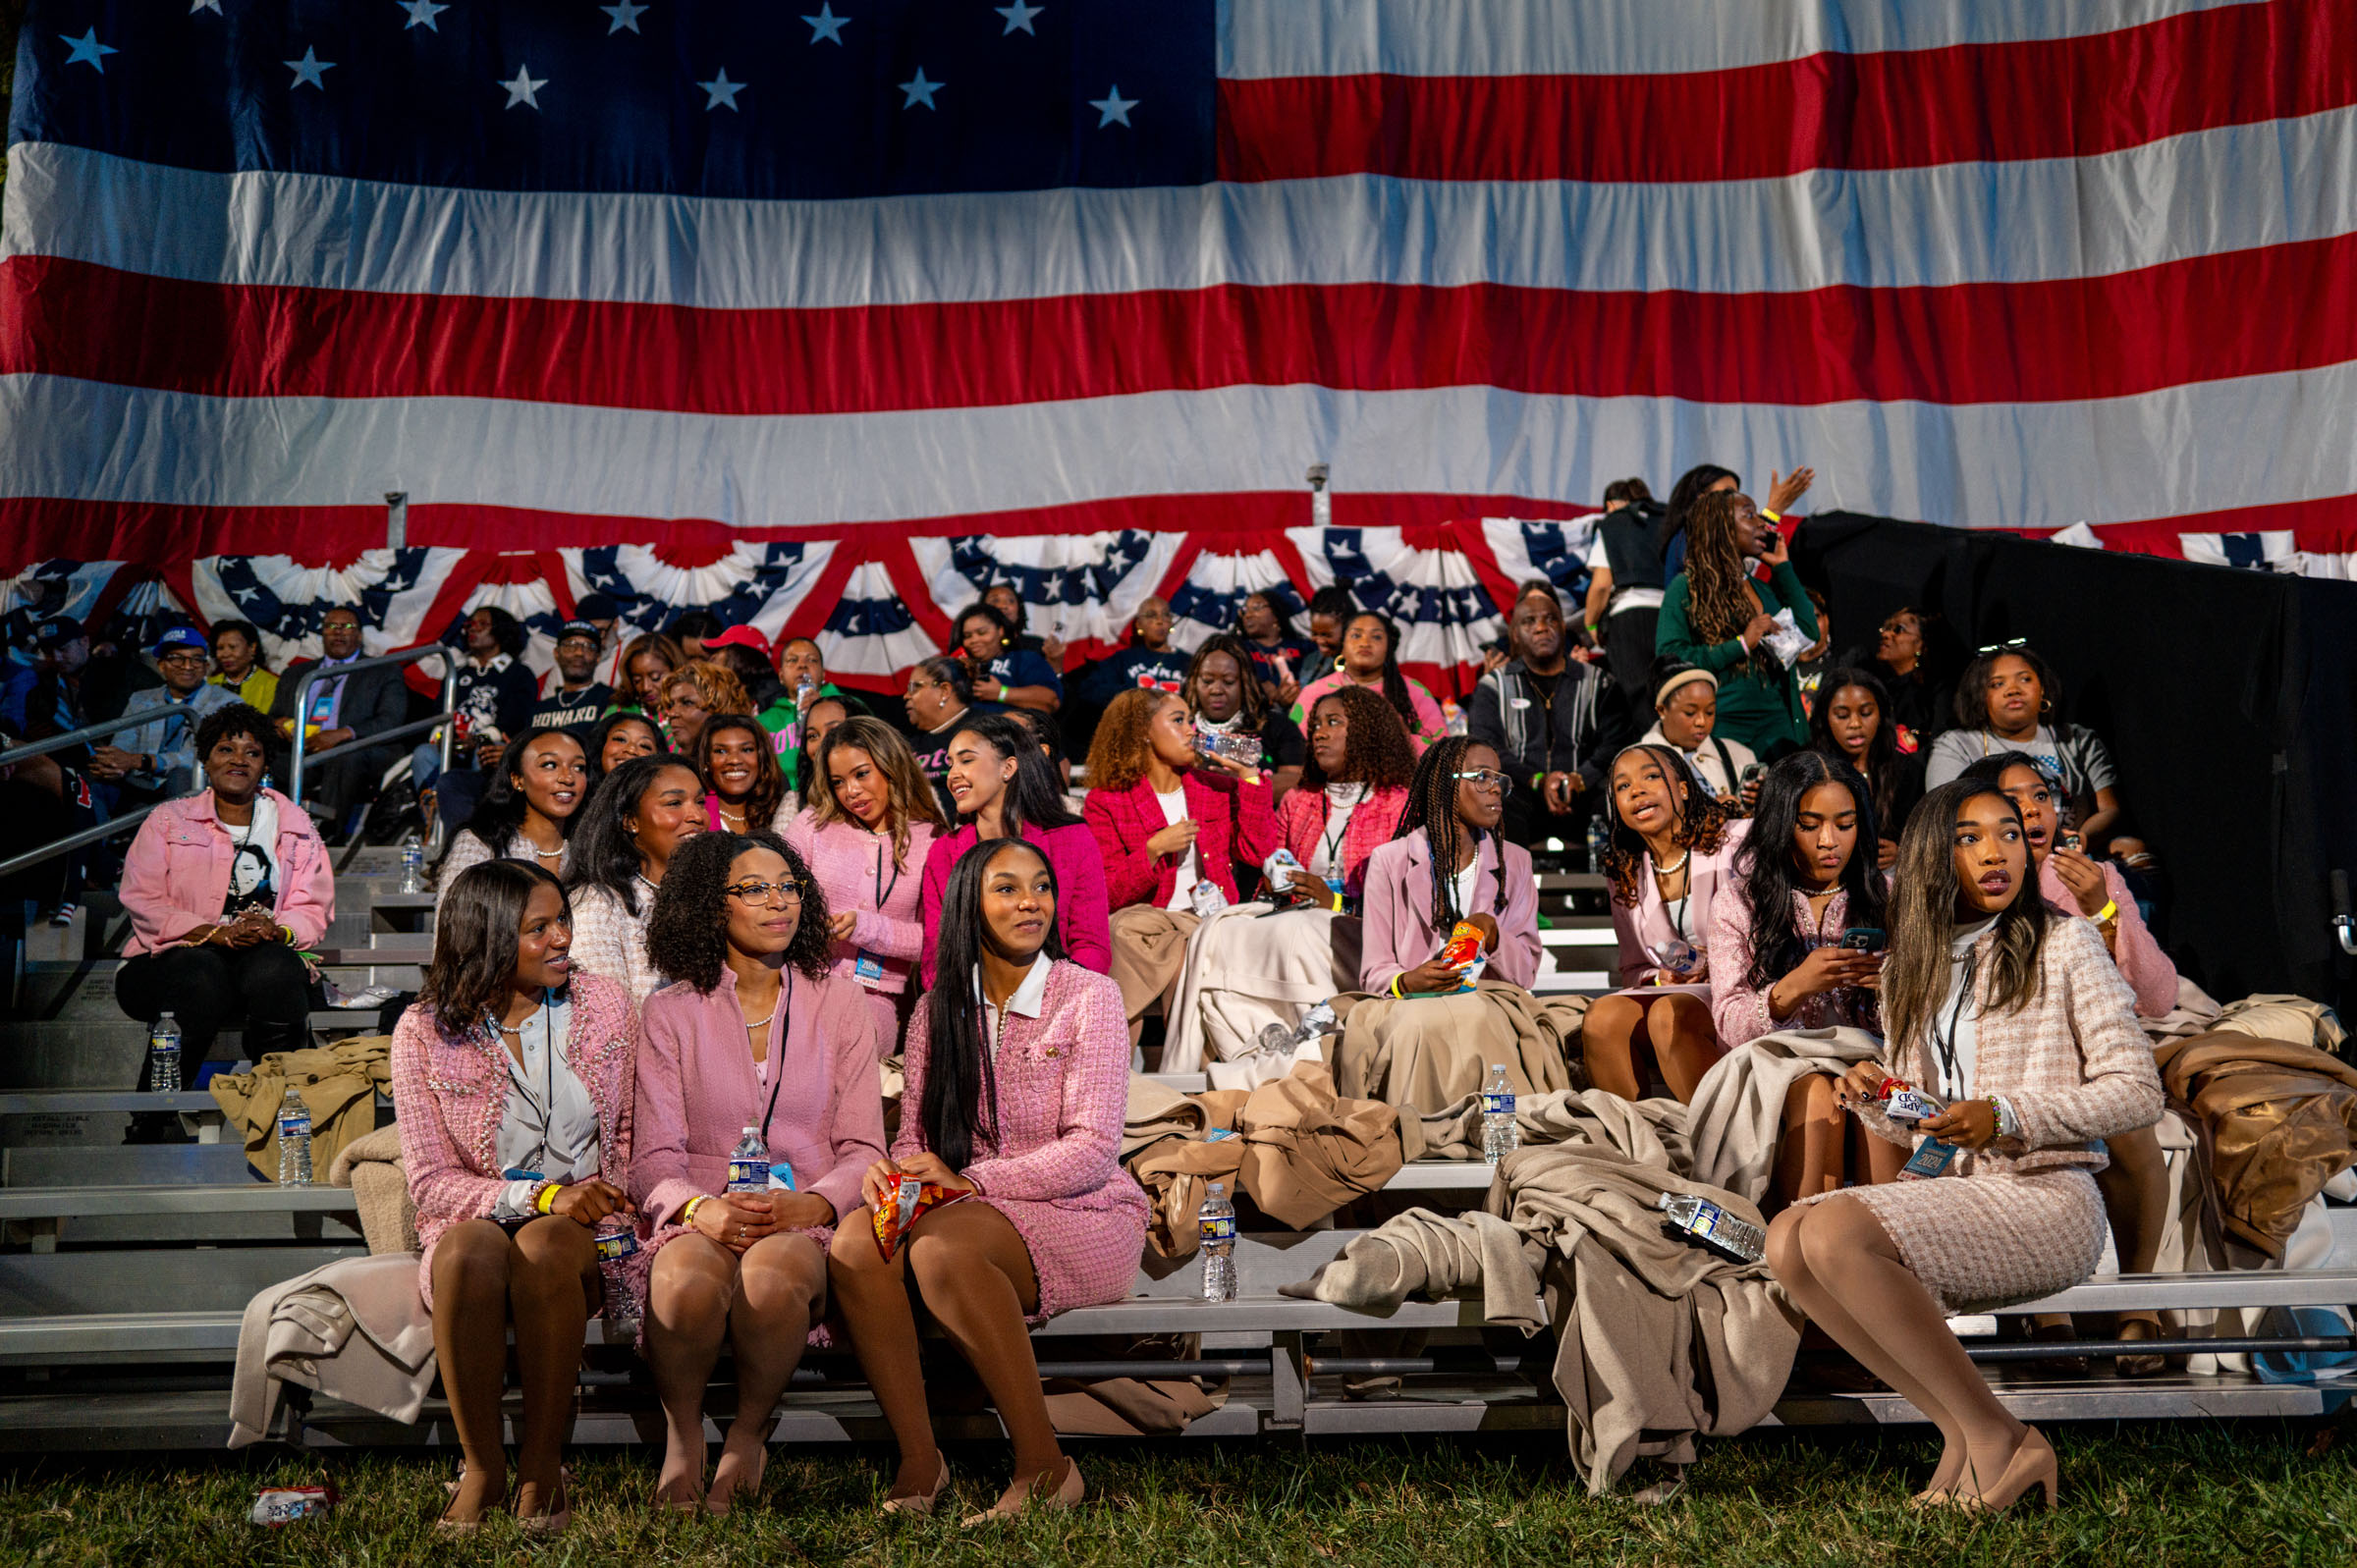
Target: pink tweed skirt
[[1992, 1238]]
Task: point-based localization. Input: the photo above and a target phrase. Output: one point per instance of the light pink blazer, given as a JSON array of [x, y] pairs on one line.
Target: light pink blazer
[[1399, 932], [451, 1092], [1644, 928], [176, 875], [697, 1093], [2142, 963]]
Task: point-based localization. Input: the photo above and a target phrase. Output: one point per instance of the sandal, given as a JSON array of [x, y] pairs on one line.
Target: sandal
[[2138, 1365], [1052, 1491]]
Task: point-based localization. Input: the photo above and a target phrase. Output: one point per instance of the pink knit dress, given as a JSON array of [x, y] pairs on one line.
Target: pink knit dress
[[857, 871], [1054, 1169]]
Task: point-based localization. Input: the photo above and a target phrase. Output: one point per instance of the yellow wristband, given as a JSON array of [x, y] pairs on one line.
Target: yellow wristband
[[546, 1203], [687, 1213], [1771, 516], [2107, 914], [1396, 988]]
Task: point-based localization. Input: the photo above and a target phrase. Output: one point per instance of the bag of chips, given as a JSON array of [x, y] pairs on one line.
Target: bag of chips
[[906, 1199]]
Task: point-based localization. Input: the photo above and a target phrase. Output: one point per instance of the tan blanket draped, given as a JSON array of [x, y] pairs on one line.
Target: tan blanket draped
[[2280, 1120], [1738, 1108], [336, 1083], [1653, 1132], [1434, 1050], [370, 1166]]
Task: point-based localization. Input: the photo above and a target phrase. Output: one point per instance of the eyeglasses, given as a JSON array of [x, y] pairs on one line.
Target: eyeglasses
[[1898, 627], [1486, 778], [917, 688], [185, 655], [768, 892], [2004, 647]]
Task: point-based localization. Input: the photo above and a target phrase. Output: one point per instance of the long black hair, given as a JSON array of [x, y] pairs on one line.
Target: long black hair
[[1691, 486], [1432, 806], [1395, 684], [475, 932], [1882, 751], [502, 808], [1765, 869], [960, 1101], [1032, 798], [688, 936], [605, 852]]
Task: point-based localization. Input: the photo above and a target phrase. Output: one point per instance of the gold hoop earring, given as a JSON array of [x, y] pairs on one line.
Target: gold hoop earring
[[1337, 664]]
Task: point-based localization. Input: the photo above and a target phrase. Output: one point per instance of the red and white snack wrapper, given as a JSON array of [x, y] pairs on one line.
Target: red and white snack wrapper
[[905, 1199], [282, 1505]]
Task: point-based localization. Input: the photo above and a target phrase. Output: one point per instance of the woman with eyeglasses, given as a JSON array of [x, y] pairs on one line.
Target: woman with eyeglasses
[[754, 1033], [1275, 655], [1003, 787], [1018, 1083], [1904, 659], [940, 699], [870, 823], [1716, 617], [527, 813], [1168, 819], [630, 826], [514, 1072], [1369, 659], [2010, 699]]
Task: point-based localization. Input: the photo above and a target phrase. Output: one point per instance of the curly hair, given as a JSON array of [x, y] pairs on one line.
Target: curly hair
[[1691, 486], [1376, 752], [1116, 756], [1254, 697], [1701, 823], [912, 797], [238, 719], [1432, 806], [769, 780], [688, 935], [605, 852], [716, 686]]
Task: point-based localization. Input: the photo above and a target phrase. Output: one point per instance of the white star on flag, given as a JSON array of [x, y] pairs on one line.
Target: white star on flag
[[520, 90], [421, 15], [88, 51], [826, 25], [1019, 14], [308, 68], [920, 91], [1113, 107], [722, 92], [625, 15]]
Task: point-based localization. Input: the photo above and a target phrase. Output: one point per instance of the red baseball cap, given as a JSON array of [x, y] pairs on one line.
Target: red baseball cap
[[741, 637]]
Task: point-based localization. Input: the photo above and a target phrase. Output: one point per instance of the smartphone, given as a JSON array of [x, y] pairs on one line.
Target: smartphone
[[1865, 938], [2072, 842]]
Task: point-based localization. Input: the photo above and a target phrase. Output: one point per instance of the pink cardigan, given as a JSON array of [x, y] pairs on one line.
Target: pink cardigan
[[176, 875], [1740, 1012], [1301, 818], [451, 1093], [1238, 824], [2142, 963], [1429, 726], [1645, 928], [842, 856], [1083, 920], [697, 1093], [1399, 932]]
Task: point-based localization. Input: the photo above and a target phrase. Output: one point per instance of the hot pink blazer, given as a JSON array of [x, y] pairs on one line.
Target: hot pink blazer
[[1238, 824], [453, 1094], [1645, 929], [1083, 920], [1301, 818], [1399, 932], [176, 875], [697, 1093]]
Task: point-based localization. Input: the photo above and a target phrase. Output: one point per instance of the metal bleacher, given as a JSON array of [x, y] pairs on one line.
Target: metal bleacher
[[124, 1268]]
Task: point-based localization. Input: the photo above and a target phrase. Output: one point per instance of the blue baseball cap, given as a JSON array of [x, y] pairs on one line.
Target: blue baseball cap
[[181, 637]]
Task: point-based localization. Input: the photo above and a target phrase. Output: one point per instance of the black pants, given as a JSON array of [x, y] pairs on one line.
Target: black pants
[[1628, 655], [204, 987]]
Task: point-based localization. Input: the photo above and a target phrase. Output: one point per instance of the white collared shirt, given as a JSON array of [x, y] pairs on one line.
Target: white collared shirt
[[1029, 999], [551, 1123]]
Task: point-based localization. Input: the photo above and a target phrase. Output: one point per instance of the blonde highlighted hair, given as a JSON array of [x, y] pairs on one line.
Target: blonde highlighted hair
[[1117, 755], [910, 795]]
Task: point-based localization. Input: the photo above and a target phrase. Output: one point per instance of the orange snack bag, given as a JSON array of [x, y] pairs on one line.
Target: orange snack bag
[[907, 1199]]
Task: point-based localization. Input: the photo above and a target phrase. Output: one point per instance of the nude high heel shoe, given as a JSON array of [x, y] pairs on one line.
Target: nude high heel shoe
[[923, 1502], [1053, 1492], [2032, 1465]]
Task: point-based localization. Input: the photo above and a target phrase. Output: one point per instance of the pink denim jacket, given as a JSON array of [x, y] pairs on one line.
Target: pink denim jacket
[[176, 874], [451, 1093]]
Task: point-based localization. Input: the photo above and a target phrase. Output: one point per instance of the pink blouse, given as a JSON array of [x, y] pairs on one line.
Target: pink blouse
[[2142, 965], [1646, 927], [860, 873]]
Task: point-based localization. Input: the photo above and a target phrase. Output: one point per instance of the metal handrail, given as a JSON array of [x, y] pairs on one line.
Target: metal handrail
[[322, 671], [95, 731]]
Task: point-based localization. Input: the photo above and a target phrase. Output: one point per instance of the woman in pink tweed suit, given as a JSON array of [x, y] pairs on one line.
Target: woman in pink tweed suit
[[754, 1033], [514, 1078], [2019, 1021], [1018, 1083]]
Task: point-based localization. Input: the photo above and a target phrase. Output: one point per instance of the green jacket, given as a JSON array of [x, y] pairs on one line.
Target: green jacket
[[1761, 712], [779, 718]]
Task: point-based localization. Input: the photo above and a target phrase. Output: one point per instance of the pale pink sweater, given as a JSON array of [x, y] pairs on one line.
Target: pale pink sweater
[[851, 864]]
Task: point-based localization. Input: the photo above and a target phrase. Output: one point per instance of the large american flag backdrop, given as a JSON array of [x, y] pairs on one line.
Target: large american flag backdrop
[[829, 313]]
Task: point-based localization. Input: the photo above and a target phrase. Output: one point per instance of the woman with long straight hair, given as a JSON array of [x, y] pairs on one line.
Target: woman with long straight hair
[[751, 1033], [1670, 856], [866, 830], [630, 826], [2021, 1025], [527, 813], [743, 785], [1370, 659], [1018, 1083], [1803, 877], [515, 1076], [1005, 787], [1717, 615], [1852, 720]]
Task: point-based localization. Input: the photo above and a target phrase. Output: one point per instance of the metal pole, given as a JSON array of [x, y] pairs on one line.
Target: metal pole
[[100, 731], [319, 672], [1321, 502], [397, 518]]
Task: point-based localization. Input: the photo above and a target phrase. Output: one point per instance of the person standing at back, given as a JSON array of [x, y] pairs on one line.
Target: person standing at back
[[1717, 615], [1624, 590]]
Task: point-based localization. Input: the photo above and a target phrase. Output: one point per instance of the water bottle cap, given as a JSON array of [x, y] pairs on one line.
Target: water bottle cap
[[1214, 1190]]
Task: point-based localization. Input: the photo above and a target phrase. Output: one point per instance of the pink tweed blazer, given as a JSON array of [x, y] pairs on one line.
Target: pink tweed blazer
[[1740, 1012], [697, 1093], [2146, 969], [1238, 825], [2074, 1062], [451, 1094]]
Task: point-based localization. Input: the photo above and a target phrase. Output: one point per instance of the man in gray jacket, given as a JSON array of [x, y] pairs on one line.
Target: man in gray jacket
[[1550, 718]]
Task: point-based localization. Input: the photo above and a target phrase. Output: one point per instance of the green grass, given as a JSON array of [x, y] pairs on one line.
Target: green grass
[[2253, 1493]]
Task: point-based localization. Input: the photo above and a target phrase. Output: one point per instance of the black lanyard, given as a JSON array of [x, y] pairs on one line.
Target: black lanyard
[[882, 891], [776, 1070], [1334, 841], [1950, 1072]]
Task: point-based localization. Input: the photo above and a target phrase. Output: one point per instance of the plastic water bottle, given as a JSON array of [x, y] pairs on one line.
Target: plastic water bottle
[[617, 1240], [1706, 1225], [163, 1056], [1599, 840], [1454, 719], [749, 1164], [1499, 1136], [1216, 1223], [294, 1141], [412, 865]]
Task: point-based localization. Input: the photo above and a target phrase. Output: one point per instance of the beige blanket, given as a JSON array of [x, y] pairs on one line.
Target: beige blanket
[[354, 1329], [336, 1083], [1737, 1113], [1653, 1132], [1431, 1257], [371, 1167], [1434, 1050]]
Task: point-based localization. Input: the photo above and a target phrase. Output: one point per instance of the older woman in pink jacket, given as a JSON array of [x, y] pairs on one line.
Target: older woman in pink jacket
[[755, 1036], [512, 1075], [223, 887]]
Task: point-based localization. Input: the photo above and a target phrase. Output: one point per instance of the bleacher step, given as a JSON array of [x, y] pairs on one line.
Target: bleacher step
[[154, 1164]]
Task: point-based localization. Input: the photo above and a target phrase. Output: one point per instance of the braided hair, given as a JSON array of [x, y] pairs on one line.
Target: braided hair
[[1432, 806], [1718, 603]]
